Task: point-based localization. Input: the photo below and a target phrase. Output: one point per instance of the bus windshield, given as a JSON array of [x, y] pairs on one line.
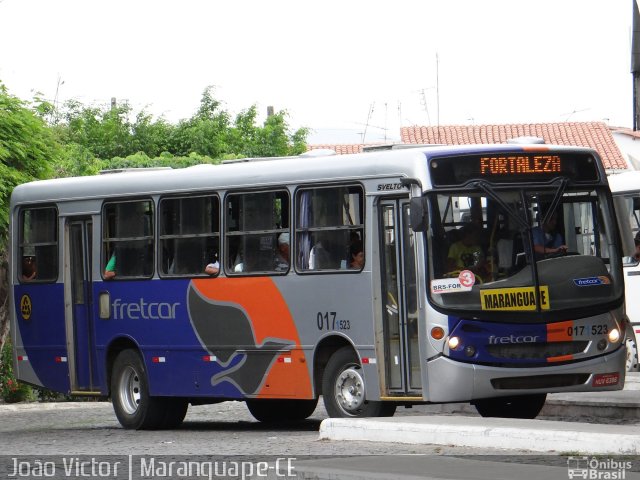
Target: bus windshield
[[523, 249]]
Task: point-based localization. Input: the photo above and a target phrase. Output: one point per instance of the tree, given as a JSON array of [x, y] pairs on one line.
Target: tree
[[28, 149], [100, 135]]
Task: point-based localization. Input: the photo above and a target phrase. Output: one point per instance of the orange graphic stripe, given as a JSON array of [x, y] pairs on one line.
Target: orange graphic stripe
[[270, 318], [559, 332]]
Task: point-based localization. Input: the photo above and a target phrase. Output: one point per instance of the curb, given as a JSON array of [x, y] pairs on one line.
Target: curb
[[36, 406], [508, 434]]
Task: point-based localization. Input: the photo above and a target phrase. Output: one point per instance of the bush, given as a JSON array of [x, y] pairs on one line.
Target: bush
[[11, 390]]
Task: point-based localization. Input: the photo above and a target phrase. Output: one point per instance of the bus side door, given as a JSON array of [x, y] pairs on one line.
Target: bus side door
[[79, 324], [399, 300]]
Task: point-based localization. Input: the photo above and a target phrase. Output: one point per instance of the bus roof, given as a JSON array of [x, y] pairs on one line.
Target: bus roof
[[625, 182], [257, 173]]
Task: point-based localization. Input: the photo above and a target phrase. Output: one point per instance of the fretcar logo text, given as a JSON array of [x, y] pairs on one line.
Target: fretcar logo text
[[143, 310]]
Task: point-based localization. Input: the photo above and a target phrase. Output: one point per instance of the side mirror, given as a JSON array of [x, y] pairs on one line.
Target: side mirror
[[418, 214]]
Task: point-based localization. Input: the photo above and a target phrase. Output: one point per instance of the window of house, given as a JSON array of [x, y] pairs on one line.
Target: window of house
[[127, 231], [330, 228], [189, 236], [38, 245], [257, 232]]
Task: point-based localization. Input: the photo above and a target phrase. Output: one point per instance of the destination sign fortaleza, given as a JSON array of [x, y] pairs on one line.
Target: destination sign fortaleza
[[509, 299], [520, 164]]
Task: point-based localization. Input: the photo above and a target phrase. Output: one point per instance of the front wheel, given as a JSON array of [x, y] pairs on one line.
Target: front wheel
[[133, 405], [344, 392], [525, 406]]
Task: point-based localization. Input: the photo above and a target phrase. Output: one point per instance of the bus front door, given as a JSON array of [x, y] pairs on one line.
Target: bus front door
[[400, 309], [79, 324]]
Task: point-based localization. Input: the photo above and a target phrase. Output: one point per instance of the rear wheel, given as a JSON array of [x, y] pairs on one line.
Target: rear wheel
[[133, 405], [344, 392], [281, 410], [525, 406], [174, 412]]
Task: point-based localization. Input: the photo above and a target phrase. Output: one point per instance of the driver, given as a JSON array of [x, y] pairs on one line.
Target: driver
[[546, 239]]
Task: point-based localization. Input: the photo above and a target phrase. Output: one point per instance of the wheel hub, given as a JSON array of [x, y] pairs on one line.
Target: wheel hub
[[129, 390], [350, 391]]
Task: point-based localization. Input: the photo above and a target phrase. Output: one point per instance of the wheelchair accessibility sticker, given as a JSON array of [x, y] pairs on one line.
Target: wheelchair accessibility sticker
[[25, 307]]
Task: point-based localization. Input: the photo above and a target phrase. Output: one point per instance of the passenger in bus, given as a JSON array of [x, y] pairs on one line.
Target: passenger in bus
[[546, 239], [212, 268], [29, 270], [466, 253], [282, 255], [356, 253], [110, 269], [636, 240]]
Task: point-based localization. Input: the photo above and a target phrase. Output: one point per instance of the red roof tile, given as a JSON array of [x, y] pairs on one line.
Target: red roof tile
[[339, 149], [595, 135]]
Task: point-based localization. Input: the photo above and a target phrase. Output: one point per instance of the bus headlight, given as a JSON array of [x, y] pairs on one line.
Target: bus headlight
[[453, 342], [614, 335]]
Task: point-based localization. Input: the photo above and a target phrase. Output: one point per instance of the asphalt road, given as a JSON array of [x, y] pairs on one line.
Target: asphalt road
[[226, 432]]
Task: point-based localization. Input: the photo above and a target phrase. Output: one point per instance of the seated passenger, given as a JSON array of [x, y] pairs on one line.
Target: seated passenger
[[110, 269], [212, 268], [357, 256], [29, 270], [282, 255], [466, 253]]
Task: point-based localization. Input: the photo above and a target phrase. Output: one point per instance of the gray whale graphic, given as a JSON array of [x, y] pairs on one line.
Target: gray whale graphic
[[225, 331]]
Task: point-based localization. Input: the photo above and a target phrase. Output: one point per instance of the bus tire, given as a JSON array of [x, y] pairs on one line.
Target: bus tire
[[174, 412], [525, 406], [632, 355], [344, 390], [281, 410], [134, 407]]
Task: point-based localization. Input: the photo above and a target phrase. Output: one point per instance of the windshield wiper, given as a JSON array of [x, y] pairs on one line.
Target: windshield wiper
[[556, 199], [488, 189]]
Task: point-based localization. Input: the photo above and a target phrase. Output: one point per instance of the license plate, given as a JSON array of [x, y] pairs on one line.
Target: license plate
[[606, 379]]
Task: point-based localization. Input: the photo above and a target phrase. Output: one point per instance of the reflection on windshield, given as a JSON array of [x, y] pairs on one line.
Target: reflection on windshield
[[522, 250]]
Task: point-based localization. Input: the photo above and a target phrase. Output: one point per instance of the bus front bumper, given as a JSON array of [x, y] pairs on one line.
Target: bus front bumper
[[453, 381]]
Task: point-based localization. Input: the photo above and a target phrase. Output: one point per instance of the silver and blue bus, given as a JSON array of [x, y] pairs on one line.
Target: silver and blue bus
[[113, 295], [625, 188]]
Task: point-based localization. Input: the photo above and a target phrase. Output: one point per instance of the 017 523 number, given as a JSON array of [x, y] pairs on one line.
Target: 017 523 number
[[328, 321], [579, 330]]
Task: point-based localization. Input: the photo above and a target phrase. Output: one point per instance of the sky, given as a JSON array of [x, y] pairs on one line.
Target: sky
[[351, 71]]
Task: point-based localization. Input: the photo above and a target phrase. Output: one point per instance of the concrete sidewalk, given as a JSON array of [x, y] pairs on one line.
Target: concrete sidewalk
[[535, 435]]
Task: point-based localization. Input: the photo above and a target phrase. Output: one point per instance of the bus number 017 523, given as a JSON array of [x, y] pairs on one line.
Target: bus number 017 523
[[579, 330], [328, 321]]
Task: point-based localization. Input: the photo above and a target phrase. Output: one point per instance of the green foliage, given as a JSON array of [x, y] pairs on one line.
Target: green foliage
[[11, 390], [142, 160], [107, 138], [28, 148]]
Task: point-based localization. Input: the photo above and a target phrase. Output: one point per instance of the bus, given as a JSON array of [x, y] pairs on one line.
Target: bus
[[625, 188], [401, 326]]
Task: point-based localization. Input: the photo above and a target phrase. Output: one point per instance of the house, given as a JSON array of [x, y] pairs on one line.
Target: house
[[596, 135]]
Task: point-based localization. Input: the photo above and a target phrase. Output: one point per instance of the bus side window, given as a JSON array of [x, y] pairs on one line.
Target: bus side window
[[255, 222], [189, 235], [38, 244], [329, 221], [128, 239]]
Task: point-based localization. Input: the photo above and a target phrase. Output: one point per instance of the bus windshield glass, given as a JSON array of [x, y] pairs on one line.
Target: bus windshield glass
[[543, 249]]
